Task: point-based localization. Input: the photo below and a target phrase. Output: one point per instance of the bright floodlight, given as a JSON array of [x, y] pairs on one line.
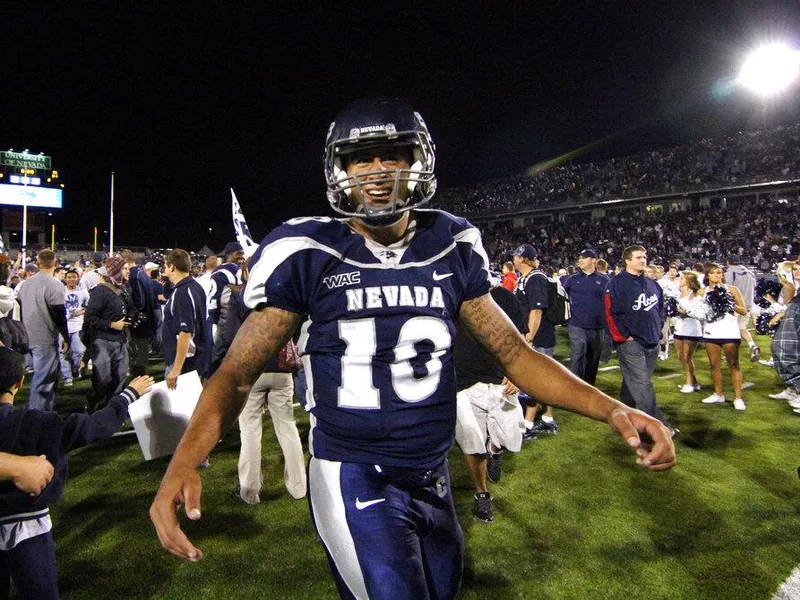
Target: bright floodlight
[[770, 69]]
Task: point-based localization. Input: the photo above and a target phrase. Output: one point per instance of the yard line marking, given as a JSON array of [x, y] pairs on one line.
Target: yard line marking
[[790, 588], [611, 368], [124, 433], [671, 376]]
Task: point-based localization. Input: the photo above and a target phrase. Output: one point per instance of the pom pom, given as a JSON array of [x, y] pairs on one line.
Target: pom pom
[[695, 308], [766, 287], [721, 303], [762, 320], [670, 306], [763, 327]]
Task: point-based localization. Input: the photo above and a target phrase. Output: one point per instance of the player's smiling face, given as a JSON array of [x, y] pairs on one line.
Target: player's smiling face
[[376, 170]]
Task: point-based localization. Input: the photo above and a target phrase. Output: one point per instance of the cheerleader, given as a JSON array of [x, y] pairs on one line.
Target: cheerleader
[[688, 328], [721, 334], [669, 282]]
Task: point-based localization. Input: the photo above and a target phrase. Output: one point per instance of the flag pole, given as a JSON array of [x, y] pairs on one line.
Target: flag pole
[[24, 248], [111, 225]]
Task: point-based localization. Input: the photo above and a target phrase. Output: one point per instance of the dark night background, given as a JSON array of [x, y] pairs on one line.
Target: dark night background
[[183, 103]]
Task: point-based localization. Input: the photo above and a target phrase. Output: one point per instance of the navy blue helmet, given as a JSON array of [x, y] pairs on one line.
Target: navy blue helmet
[[374, 122]]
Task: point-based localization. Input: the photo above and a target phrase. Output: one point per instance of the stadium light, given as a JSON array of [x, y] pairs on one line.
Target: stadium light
[[770, 69]]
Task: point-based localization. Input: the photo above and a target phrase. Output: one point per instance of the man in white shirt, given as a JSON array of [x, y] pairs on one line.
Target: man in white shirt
[[211, 263], [75, 301], [92, 278]]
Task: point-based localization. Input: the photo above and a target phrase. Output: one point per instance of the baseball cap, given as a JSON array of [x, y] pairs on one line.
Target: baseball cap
[[526, 251], [149, 266], [98, 257], [231, 247], [31, 268], [587, 253]]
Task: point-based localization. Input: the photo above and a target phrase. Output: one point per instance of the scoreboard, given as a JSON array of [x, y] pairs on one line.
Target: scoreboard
[[28, 180]]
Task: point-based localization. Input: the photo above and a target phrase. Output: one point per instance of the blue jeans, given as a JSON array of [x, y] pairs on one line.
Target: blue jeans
[[159, 319], [45, 377], [110, 367], [585, 346], [638, 364], [32, 566], [71, 359]]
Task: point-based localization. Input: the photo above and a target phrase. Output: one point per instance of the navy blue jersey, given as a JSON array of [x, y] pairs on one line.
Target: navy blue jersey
[[532, 293], [376, 345], [223, 275], [185, 311]]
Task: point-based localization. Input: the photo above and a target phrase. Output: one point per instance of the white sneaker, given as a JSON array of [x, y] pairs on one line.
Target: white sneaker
[[697, 387], [687, 388], [663, 355], [713, 399], [738, 404], [795, 403], [767, 363], [786, 394], [755, 352]]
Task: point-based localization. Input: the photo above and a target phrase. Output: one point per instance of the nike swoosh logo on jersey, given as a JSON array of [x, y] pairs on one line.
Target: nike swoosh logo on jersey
[[362, 505], [439, 277]]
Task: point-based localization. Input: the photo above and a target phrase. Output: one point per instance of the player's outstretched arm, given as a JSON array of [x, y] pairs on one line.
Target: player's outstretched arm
[[549, 382], [260, 338]]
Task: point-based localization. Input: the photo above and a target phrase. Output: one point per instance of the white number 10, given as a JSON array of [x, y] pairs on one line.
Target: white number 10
[[358, 390]]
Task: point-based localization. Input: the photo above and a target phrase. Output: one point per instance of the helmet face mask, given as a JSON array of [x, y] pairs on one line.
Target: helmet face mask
[[385, 123]]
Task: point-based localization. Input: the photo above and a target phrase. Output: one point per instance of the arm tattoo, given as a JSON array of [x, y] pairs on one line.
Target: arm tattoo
[[491, 328], [260, 338]]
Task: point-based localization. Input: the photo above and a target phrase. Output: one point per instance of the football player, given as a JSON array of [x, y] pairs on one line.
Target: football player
[[376, 295]]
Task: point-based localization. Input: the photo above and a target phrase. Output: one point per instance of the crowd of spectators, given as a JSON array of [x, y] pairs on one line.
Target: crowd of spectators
[[762, 232], [735, 160]]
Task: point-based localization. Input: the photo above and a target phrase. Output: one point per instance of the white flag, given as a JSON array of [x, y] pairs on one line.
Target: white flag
[[240, 227]]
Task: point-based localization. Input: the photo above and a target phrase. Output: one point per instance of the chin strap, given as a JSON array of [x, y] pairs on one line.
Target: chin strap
[[384, 221]]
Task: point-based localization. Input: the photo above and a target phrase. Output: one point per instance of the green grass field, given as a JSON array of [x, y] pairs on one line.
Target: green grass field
[[574, 516]]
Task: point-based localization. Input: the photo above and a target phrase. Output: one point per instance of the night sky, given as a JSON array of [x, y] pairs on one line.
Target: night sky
[[183, 104]]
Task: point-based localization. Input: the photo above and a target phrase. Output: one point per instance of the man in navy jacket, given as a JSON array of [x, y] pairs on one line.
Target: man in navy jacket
[[586, 290], [634, 309]]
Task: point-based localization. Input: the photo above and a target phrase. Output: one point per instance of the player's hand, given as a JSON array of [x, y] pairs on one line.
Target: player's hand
[[142, 384], [510, 388], [181, 485], [119, 325], [651, 439], [172, 379], [64, 346], [35, 474]]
